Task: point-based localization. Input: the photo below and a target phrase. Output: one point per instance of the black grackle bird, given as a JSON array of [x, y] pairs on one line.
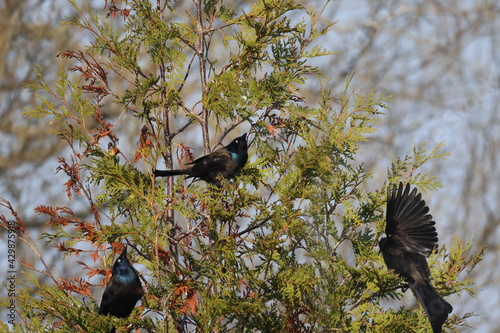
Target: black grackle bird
[[123, 290], [411, 237], [225, 162]]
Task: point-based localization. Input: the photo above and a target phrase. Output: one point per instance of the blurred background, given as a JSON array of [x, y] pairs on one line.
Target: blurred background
[[439, 59]]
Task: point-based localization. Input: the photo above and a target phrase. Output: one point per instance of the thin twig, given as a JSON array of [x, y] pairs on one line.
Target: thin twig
[[256, 225]]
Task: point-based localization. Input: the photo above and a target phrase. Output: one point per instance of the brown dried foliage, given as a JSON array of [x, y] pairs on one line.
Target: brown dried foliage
[[144, 144]]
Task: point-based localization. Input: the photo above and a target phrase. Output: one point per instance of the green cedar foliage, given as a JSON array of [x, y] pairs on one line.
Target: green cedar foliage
[[310, 262]]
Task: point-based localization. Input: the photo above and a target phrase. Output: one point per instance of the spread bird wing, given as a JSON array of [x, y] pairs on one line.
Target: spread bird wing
[[409, 224]]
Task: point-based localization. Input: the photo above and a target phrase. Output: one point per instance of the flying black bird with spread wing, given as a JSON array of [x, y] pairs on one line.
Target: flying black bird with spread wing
[[411, 237], [225, 162], [123, 290]]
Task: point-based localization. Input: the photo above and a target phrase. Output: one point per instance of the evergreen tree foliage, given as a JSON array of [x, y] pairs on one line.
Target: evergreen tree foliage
[[289, 245]]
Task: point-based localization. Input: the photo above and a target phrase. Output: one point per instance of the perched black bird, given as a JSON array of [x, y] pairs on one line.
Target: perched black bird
[[123, 290], [411, 237], [225, 162]]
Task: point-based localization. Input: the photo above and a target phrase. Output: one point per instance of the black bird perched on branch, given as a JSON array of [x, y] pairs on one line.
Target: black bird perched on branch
[[123, 290], [411, 237], [225, 162]]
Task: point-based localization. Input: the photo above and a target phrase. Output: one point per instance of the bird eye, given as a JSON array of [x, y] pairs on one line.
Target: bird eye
[[119, 260]]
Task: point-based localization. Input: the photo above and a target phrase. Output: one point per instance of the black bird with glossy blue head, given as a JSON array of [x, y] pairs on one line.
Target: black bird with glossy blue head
[[123, 290], [225, 162]]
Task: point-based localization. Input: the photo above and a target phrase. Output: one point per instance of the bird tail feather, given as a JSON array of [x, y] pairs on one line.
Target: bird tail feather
[[436, 308], [165, 173]]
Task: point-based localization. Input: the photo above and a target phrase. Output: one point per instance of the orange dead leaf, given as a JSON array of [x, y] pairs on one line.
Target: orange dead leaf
[[95, 255], [272, 130], [144, 144], [76, 285], [164, 256], [117, 247], [190, 303]]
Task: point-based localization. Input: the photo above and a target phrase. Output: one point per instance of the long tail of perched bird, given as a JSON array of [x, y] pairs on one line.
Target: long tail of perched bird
[[165, 173], [436, 308]]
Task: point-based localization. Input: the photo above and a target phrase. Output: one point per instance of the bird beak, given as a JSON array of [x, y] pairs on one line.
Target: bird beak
[[244, 136], [124, 252]]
